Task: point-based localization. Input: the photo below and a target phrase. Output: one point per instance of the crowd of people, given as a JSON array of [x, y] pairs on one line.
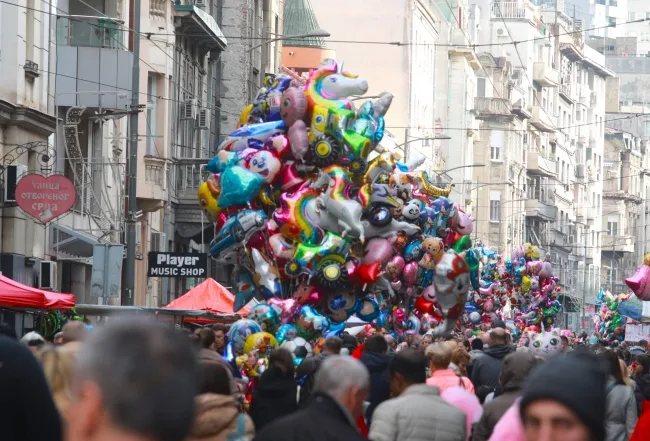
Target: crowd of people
[[138, 380]]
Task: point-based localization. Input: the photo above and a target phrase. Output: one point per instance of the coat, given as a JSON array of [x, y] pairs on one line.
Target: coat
[[322, 420], [216, 417], [446, 378], [642, 429], [487, 367], [418, 414], [274, 397], [621, 413], [641, 391], [509, 427], [516, 368], [377, 365]]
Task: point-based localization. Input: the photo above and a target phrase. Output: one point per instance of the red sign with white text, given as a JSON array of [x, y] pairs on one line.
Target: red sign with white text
[[45, 198]]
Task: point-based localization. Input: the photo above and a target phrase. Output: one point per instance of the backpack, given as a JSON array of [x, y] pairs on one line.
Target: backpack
[[240, 433]]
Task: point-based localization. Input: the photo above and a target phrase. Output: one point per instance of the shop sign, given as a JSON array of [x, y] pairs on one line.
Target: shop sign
[[45, 198], [177, 264]]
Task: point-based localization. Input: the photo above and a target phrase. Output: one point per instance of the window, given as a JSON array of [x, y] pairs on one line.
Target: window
[[612, 227], [601, 2], [496, 144], [480, 83], [613, 2], [495, 202], [151, 114], [631, 16]]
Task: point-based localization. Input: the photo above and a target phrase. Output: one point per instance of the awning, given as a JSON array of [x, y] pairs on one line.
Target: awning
[[209, 296], [68, 241], [17, 295]]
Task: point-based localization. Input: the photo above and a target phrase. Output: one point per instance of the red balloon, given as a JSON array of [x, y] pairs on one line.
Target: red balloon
[[369, 272], [423, 305]]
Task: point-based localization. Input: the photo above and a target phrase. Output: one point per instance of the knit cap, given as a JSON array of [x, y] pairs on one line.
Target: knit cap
[[576, 380]]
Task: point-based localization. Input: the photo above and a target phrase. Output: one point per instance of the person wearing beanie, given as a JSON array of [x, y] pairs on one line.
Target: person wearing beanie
[[565, 400]]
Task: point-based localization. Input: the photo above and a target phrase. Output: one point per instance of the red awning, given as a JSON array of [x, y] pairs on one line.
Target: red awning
[[17, 295], [208, 296]]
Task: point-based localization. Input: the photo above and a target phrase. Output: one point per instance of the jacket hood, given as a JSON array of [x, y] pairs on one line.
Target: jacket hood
[[274, 382], [516, 368], [213, 414], [498, 351], [375, 362]]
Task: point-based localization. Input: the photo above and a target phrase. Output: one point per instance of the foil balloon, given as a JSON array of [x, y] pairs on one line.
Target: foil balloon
[[368, 310], [423, 305], [266, 276], [299, 140], [413, 324], [377, 250], [410, 273], [266, 316], [242, 185], [452, 281], [243, 287], [239, 332], [311, 323], [639, 282], [286, 332], [287, 309], [261, 342], [307, 294], [340, 306]]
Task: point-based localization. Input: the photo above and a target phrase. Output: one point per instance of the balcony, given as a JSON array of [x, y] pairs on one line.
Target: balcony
[[622, 195], [544, 75], [565, 91], [541, 121], [620, 244], [539, 165], [517, 10], [153, 191], [93, 63], [519, 108], [572, 44], [493, 108], [537, 208], [585, 95], [190, 19]]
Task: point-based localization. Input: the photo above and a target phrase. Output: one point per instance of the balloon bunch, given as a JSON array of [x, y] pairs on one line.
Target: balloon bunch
[[607, 321], [520, 290], [322, 223]]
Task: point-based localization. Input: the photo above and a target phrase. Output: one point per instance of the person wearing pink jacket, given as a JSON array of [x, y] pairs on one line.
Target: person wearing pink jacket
[[439, 355]]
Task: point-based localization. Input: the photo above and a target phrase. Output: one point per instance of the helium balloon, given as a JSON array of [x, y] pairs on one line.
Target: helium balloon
[[262, 342], [266, 316], [240, 331], [241, 186], [286, 333], [287, 309], [311, 323], [639, 283]]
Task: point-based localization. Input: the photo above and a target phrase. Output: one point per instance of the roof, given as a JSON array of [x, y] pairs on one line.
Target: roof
[[17, 295], [209, 296], [299, 18]]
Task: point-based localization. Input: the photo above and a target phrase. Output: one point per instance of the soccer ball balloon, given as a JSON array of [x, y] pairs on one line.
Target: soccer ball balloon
[[299, 348]]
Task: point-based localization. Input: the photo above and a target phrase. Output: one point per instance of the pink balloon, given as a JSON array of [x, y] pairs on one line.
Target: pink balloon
[[377, 250], [299, 140], [534, 266], [287, 309], [639, 283], [410, 273], [486, 291], [429, 293]]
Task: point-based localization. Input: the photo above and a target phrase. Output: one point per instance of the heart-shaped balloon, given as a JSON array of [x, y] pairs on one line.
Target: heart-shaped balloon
[[369, 273], [639, 283], [240, 185], [423, 305], [287, 309]]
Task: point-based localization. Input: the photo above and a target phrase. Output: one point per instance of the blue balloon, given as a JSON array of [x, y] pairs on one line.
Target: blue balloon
[[239, 186], [286, 333]]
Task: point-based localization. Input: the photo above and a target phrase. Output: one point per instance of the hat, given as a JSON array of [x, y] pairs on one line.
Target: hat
[[577, 381]]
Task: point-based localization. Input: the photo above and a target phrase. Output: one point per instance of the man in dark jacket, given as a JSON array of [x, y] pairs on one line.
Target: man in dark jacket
[[308, 368], [516, 367], [376, 360], [486, 367], [340, 390]]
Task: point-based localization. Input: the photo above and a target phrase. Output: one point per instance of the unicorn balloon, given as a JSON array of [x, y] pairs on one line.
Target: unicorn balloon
[[330, 84]]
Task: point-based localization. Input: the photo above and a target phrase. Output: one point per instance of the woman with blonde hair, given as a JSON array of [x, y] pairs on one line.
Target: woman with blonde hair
[[58, 364], [443, 375]]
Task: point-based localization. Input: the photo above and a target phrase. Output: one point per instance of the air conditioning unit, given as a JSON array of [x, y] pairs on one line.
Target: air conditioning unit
[[204, 119], [158, 242], [502, 32], [47, 279], [188, 110], [12, 175], [200, 3]]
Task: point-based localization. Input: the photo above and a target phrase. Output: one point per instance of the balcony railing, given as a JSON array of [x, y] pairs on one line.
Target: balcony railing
[[537, 208], [89, 31], [488, 107], [510, 10], [538, 164], [545, 75], [541, 120]]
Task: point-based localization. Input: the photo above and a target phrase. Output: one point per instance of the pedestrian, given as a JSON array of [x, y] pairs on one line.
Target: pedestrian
[[220, 345], [390, 341], [442, 376], [416, 413], [208, 352], [310, 365], [460, 359], [27, 410], [74, 333], [276, 393], [216, 415], [376, 360], [640, 348], [486, 368], [135, 381], [565, 345], [58, 365], [58, 338], [565, 400], [34, 341], [621, 413], [340, 389], [475, 351], [516, 368], [640, 374]]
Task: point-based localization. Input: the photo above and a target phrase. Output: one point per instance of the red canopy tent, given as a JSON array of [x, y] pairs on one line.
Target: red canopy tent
[[209, 296], [17, 295]]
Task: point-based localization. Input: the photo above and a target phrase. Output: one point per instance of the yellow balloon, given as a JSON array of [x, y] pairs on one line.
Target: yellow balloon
[[208, 197], [263, 342], [646, 259], [525, 283]]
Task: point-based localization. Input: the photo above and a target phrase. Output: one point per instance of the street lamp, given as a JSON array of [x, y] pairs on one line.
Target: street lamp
[[314, 33]]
